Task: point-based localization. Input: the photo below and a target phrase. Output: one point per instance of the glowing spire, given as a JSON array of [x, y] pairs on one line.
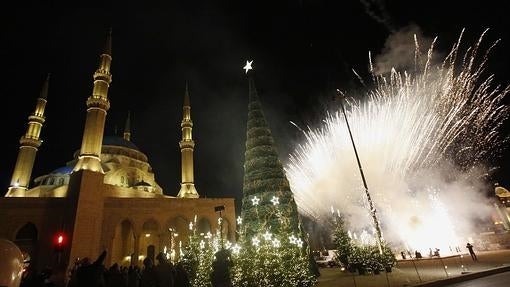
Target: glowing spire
[[29, 144], [44, 90], [186, 97], [127, 127], [108, 44], [97, 105], [187, 146]]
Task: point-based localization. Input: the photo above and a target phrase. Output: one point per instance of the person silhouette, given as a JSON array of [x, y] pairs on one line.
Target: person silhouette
[[469, 246]]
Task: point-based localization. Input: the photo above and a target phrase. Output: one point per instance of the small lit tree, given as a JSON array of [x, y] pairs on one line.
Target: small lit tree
[[342, 241], [197, 258]]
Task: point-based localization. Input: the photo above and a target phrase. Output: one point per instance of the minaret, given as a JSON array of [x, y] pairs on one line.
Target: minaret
[[127, 127], [97, 105], [187, 145], [29, 143]]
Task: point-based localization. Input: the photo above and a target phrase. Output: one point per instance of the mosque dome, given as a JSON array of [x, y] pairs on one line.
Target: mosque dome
[[118, 141], [63, 170], [501, 191]]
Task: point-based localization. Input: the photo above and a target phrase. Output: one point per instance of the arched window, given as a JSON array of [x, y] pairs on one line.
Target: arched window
[[122, 180], [61, 181], [52, 181], [27, 232], [26, 239]]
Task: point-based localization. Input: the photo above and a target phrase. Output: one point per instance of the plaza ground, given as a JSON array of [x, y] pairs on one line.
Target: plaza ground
[[405, 273]]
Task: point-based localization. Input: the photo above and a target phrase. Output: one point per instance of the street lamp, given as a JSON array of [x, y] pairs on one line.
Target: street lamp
[[219, 209]]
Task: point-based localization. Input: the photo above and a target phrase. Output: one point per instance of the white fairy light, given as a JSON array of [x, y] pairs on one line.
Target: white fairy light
[[239, 220], [267, 235], [236, 248], [255, 200], [275, 200], [255, 241], [299, 242]]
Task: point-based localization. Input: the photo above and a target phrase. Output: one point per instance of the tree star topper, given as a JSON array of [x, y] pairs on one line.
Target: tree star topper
[[248, 67]]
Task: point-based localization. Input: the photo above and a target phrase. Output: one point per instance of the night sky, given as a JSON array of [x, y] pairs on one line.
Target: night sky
[[302, 51]]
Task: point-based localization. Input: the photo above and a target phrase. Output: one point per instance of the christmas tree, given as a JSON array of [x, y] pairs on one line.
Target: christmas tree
[[268, 202], [197, 257], [342, 241], [274, 250]]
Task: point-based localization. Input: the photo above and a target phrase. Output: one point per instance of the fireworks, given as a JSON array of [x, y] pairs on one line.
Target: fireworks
[[423, 137]]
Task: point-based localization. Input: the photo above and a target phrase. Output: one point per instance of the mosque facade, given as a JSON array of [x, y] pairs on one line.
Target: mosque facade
[[106, 197]]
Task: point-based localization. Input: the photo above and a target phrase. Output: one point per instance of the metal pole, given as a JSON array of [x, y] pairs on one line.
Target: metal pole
[[444, 266], [416, 269], [371, 204]]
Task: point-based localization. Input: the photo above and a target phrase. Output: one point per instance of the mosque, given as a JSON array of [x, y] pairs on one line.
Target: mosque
[[106, 197]]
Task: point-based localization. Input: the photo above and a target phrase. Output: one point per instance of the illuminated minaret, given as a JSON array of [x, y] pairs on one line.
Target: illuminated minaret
[[127, 127], [29, 143], [187, 145], [97, 105]]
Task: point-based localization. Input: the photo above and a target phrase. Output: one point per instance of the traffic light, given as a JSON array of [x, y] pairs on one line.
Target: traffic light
[[60, 241]]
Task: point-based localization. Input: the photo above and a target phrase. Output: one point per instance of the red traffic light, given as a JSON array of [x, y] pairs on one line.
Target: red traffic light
[[60, 239]]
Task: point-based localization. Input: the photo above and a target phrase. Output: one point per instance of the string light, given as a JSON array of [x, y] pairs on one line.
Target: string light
[[267, 235]]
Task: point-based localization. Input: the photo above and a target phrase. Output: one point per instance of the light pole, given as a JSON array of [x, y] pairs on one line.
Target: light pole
[[219, 209], [369, 198]]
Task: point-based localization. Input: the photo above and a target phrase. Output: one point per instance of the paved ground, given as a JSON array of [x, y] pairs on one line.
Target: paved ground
[[497, 280], [410, 272]]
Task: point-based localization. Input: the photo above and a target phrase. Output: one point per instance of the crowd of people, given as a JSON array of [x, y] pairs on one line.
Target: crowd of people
[[435, 253], [85, 273]]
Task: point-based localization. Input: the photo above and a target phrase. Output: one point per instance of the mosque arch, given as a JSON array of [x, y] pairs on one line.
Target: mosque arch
[[179, 224], [150, 225], [151, 252], [26, 239], [27, 232], [178, 235], [150, 236], [123, 247], [204, 225]]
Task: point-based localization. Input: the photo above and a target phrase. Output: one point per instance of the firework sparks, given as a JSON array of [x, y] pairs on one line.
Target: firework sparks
[[409, 130]]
